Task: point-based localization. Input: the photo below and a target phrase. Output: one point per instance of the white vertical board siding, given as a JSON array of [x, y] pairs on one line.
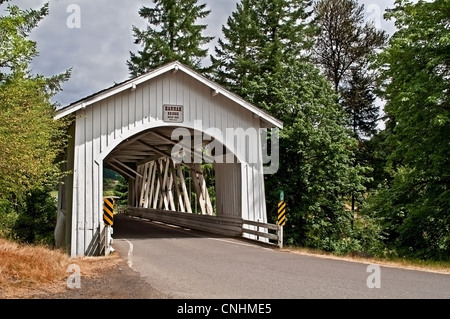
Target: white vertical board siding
[[111, 114], [78, 213], [87, 186], [89, 163], [102, 126], [97, 174], [255, 198], [228, 189], [138, 97]]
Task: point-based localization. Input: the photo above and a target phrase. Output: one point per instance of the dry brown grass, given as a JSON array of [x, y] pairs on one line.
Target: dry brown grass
[[27, 270]]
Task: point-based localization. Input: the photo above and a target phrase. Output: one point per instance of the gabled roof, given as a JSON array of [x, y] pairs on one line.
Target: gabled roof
[[173, 66]]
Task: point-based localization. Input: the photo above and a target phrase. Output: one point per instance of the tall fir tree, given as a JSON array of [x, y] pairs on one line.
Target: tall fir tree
[[256, 37], [235, 58], [358, 100], [344, 42], [344, 47], [316, 148], [173, 33]]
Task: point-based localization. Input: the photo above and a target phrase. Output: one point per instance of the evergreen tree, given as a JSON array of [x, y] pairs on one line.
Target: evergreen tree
[[316, 157], [358, 100], [172, 34], [257, 36], [316, 170], [344, 42], [343, 49], [235, 57]]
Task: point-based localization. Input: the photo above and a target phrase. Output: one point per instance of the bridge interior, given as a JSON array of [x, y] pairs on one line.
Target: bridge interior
[[168, 174]]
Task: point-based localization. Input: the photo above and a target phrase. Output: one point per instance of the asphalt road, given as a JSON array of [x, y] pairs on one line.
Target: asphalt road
[[186, 264]]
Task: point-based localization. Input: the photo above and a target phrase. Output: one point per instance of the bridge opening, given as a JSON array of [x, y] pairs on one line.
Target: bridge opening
[[163, 176]]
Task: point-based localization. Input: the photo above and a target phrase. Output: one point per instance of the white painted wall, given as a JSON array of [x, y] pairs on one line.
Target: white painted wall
[[102, 126]]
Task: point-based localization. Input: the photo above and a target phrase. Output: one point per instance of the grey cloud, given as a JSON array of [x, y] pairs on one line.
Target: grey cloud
[[98, 51]]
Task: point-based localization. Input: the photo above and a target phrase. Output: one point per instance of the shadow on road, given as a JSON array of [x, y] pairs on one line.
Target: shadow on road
[[128, 227]]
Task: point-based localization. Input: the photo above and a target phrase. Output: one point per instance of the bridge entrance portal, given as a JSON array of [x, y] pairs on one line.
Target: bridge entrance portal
[[184, 144]]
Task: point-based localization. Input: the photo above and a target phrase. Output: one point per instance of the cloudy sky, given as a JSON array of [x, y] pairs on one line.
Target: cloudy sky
[[94, 38]]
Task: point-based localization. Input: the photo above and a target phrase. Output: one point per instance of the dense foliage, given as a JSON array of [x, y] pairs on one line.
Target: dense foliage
[[413, 205], [30, 140], [316, 170], [315, 65]]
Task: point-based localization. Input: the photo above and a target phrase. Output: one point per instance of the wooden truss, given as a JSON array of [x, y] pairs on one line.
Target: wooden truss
[[161, 185]]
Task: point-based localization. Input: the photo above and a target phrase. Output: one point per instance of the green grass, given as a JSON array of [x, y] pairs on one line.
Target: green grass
[[428, 265]]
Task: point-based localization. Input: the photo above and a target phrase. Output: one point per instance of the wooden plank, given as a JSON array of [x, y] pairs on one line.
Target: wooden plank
[[260, 234], [126, 167], [110, 122], [80, 185], [136, 186], [170, 185], [97, 176], [121, 170], [149, 101], [132, 117], [117, 117], [165, 154], [88, 178], [103, 125], [152, 185], [205, 193], [187, 201], [164, 171], [200, 199], [262, 225], [157, 194], [125, 112], [147, 180], [231, 227], [144, 185], [177, 187], [139, 109]]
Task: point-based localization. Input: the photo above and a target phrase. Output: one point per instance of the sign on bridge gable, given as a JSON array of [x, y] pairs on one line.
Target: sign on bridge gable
[[173, 113]]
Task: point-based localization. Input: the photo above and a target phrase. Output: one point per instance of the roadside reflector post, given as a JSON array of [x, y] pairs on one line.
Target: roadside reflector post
[[108, 219], [108, 210], [281, 221]]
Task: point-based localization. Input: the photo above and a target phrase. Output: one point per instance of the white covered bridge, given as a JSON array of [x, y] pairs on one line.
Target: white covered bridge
[[159, 130]]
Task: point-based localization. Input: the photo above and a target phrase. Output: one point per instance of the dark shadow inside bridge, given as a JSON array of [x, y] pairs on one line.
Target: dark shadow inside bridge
[[129, 227]]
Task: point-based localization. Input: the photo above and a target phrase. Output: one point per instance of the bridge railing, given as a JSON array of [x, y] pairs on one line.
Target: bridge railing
[[269, 233], [223, 225]]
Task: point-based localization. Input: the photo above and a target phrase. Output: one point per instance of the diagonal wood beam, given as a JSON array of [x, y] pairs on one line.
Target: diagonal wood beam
[[126, 167], [165, 154]]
